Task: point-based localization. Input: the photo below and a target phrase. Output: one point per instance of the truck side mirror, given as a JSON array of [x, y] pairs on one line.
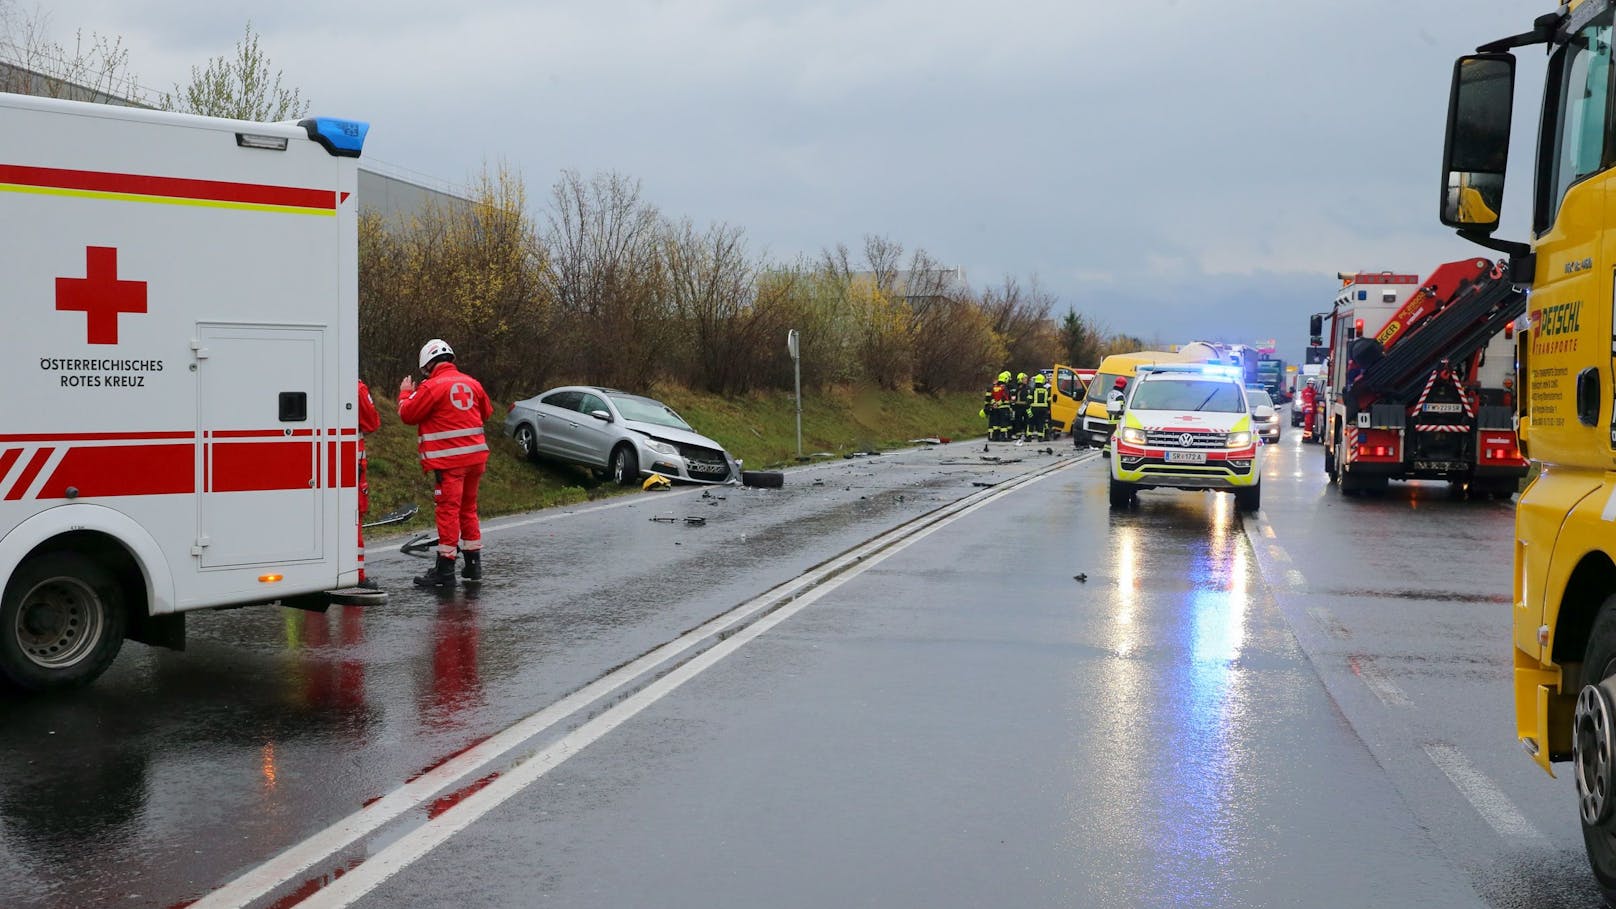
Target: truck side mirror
[[1475, 155], [1315, 330]]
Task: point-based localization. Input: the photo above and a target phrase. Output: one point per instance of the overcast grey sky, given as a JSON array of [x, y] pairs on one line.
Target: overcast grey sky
[[1188, 169]]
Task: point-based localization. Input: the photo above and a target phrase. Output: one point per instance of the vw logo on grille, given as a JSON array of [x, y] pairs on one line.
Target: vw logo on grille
[[1186, 440]]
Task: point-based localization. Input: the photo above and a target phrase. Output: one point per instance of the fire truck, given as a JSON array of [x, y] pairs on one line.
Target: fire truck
[[1564, 586], [181, 375], [1420, 380]]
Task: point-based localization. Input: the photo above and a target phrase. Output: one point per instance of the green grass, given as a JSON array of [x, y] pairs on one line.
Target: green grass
[[759, 429]]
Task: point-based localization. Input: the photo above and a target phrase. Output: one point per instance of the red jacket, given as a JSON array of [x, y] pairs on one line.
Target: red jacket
[[369, 419], [449, 408]]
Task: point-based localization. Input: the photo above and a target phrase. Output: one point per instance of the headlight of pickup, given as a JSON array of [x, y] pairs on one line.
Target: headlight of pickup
[[1238, 440], [1133, 436], [662, 448]]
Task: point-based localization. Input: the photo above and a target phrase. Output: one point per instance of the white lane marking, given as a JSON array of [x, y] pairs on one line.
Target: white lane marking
[[1390, 695], [1295, 579], [261, 881], [1489, 801], [1278, 554], [395, 857]]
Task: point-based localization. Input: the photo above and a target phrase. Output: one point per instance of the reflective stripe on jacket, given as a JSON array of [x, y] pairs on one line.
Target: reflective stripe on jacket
[[449, 408]]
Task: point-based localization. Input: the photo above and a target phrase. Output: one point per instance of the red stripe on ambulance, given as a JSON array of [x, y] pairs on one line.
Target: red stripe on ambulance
[[35, 464], [124, 470], [167, 187], [258, 466]]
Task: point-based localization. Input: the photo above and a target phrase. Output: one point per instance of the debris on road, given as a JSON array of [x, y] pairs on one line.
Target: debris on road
[[763, 479], [934, 440], [984, 483], [656, 482], [397, 515], [1080, 578]]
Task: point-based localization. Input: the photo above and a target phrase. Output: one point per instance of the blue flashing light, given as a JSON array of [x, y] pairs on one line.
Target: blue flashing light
[[1196, 369], [342, 138]]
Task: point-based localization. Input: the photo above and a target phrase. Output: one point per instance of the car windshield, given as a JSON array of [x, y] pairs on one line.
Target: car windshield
[[1102, 384], [1258, 398], [645, 410], [1188, 395]]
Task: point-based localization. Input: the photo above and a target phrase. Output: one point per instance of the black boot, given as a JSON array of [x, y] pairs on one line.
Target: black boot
[[440, 575], [473, 572]]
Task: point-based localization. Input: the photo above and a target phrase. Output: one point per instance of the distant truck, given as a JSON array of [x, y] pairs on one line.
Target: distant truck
[[184, 302], [1419, 381]]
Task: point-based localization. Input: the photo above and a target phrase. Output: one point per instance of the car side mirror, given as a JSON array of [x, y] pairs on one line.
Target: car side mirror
[[1263, 412], [601, 415]]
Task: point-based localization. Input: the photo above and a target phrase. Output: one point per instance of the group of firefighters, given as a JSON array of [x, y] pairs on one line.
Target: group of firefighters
[[1017, 409]]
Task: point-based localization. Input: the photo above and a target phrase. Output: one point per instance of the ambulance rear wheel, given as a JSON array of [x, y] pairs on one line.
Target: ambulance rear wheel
[[61, 622]]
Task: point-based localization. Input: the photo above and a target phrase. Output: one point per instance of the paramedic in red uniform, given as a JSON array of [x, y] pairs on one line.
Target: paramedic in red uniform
[[369, 422], [449, 409], [1310, 403]]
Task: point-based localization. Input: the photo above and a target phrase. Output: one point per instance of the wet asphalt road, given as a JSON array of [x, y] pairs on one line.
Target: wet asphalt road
[[1309, 707]]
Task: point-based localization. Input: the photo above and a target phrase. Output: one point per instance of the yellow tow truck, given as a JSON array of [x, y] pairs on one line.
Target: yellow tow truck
[[1565, 523]]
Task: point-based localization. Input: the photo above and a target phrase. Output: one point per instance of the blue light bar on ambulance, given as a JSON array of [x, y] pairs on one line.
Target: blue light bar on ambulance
[[341, 138], [1198, 369]]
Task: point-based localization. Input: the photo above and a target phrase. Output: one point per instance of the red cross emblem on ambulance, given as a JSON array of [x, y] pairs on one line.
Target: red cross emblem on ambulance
[[100, 295], [460, 396]]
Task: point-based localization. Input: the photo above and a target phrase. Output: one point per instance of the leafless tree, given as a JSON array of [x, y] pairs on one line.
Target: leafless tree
[[606, 276], [94, 68]]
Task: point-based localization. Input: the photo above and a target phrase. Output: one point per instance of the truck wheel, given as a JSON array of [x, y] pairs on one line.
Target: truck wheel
[[1248, 499], [61, 622], [1122, 494], [1329, 463], [1593, 742]]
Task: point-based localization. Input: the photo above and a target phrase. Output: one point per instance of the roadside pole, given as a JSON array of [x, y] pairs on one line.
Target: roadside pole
[[795, 348]]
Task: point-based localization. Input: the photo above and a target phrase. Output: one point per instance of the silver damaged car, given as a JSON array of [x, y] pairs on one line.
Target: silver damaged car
[[619, 435]]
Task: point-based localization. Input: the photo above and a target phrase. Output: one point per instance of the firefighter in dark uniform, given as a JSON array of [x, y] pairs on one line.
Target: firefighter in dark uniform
[[1019, 402], [999, 410], [1038, 409]]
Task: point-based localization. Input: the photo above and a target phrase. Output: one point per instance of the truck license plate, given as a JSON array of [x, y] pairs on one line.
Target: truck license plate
[[1186, 457], [1438, 407], [1439, 465]]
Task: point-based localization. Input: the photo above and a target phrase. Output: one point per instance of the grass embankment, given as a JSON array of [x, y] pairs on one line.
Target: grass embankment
[[759, 429]]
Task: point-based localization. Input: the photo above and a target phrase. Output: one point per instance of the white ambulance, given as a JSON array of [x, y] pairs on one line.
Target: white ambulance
[[180, 370]]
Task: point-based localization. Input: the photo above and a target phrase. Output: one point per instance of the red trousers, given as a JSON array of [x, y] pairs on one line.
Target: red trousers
[[454, 498]]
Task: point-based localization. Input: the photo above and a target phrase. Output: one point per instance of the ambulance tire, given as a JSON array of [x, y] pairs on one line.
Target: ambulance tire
[[625, 467], [1122, 494], [1598, 664], [1248, 499], [78, 622]]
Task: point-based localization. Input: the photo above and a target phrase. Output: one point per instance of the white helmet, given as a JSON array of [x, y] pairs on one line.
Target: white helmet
[[433, 349]]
